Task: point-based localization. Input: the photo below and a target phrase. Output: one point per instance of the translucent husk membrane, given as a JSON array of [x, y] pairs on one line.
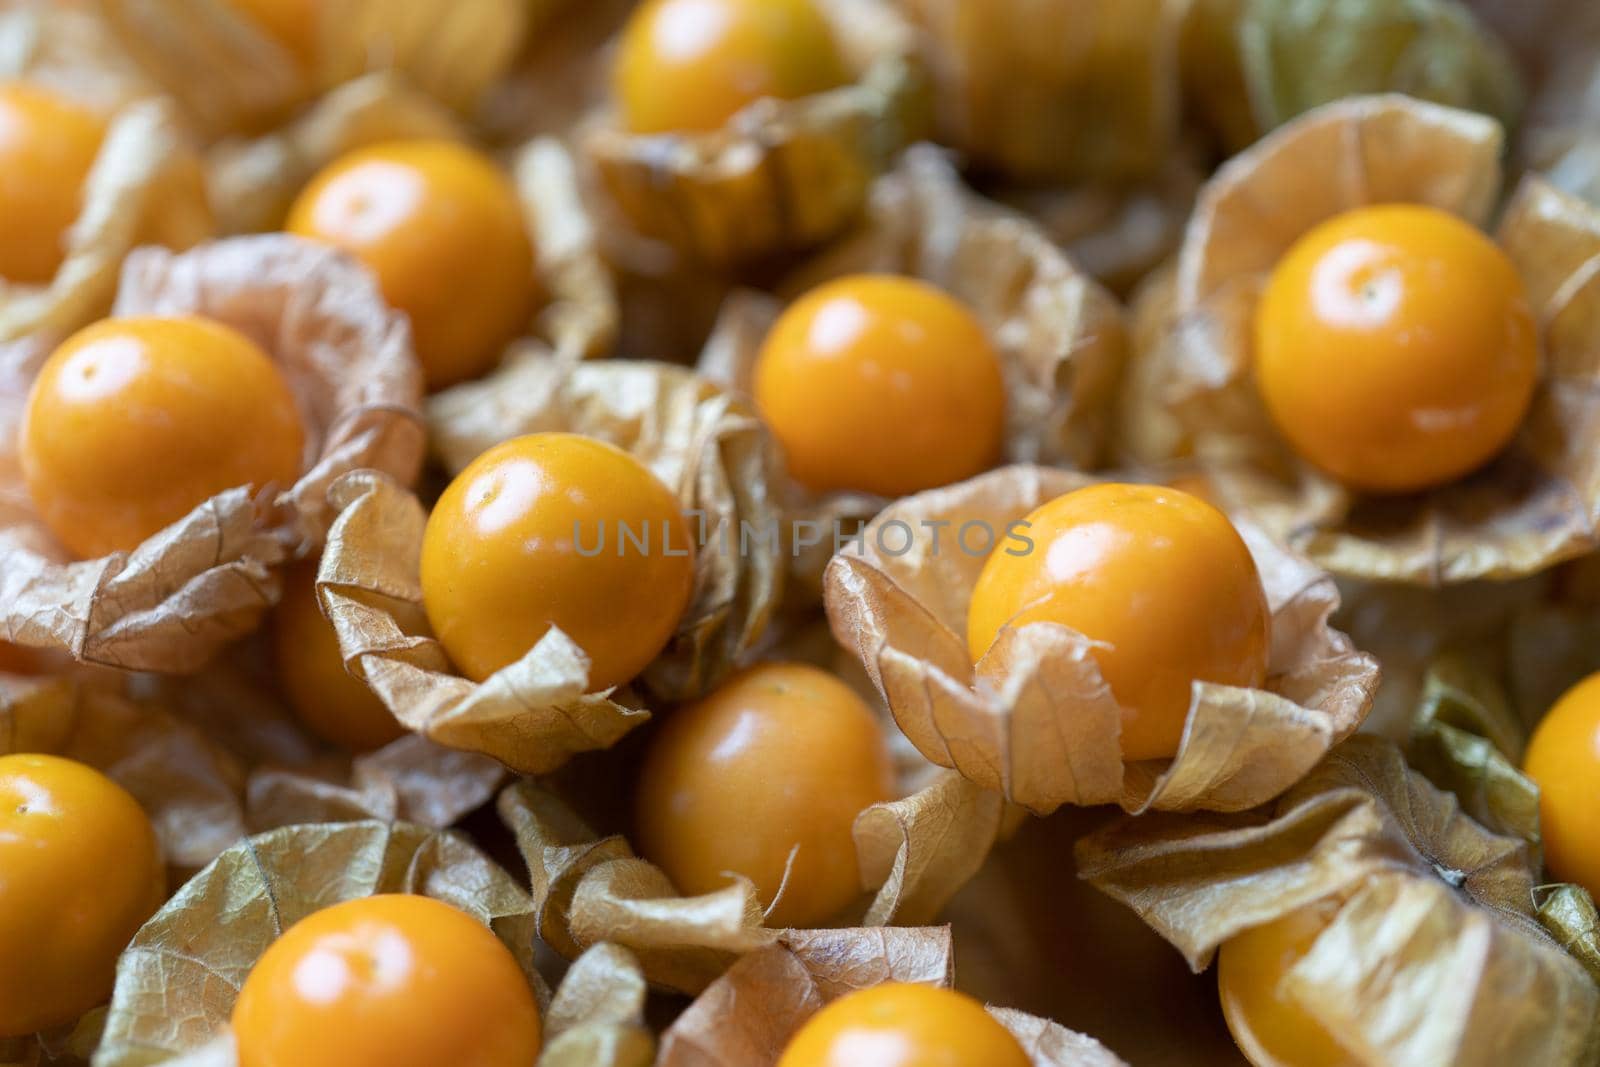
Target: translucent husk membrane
[[1034, 718], [780, 176], [1533, 506], [205, 580], [1434, 954]]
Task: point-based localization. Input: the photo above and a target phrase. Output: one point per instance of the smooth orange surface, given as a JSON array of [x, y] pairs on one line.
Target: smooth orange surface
[[133, 423], [899, 1024], [1564, 759], [387, 981], [292, 23], [441, 228], [782, 756], [883, 384], [501, 559], [1395, 349], [333, 703], [80, 872], [691, 65], [47, 146], [1270, 1028], [1159, 579]]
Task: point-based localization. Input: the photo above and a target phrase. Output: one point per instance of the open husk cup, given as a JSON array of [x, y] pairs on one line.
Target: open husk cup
[[747, 1017], [1432, 955], [178, 980], [782, 175], [205, 580], [1528, 509], [1034, 719]]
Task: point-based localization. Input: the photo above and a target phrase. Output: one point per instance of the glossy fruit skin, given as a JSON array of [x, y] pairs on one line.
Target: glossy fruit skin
[[47, 147], [1158, 578], [780, 755], [1269, 1028], [441, 228], [691, 65], [1563, 757], [80, 872], [882, 384], [133, 423], [1395, 349], [532, 534], [387, 981], [900, 1024], [329, 700]]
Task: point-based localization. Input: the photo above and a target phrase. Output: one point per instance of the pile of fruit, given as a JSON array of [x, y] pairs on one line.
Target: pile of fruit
[[799, 533]]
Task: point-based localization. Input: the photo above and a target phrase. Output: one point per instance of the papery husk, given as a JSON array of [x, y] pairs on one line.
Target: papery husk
[[914, 853], [581, 316], [1255, 64], [1569, 913], [1434, 955], [748, 1016], [704, 442], [70, 51], [178, 979], [145, 187], [253, 181], [596, 1018], [176, 599], [1530, 508], [190, 788], [1034, 719], [1560, 137], [556, 80], [781, 175], [1061, 91]]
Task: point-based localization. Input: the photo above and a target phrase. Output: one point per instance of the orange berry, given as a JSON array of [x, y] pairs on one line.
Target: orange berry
[[1158, 579], [691, 65], [780, 759], [441, 228], [80, 872], [133, 423], [1564, 759], [899, 1024], [1270, 1028], [387, 981], [556, 529], [1395, 349], [47, 147], [883, 384], [332, 703]]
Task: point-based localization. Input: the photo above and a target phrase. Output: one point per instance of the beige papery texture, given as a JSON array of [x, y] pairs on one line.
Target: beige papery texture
[[1536, 504], [178, 980], [1433, 956], [176, 599], [914, 853], [1034, 718], [747, 1017], [1560, 136], [69, 50], [781, 175]]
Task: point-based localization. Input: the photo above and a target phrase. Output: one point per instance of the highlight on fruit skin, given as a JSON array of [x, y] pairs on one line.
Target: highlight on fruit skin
[[903, 1024], [47, 146], [764, 778], [556, 529], [1563, 758], [883, 384], [1157, 580], [134, 422], [1395, 348]]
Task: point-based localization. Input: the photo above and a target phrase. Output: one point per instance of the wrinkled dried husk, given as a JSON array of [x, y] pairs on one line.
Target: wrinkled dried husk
[[913, 853], [1282, 59], [1034, 718], [748, 1016], [1570, 915], [188, 786], [1533, 506], [581, 316], [703, 441], [1434, 955], [178, 979], [145, 187], [782, 175], [69, 50], [253, 181], [1057, 91], [206, 579]]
